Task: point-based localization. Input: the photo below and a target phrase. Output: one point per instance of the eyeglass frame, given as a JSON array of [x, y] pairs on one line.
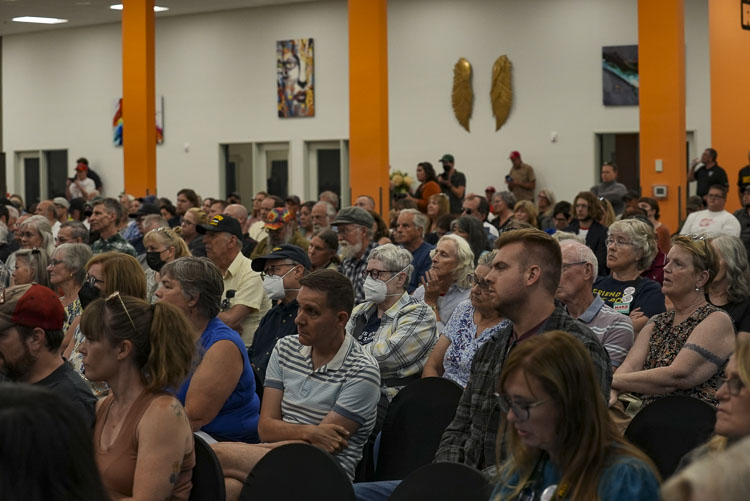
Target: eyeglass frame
[[734, 385], [272, 269], [522, 413], [565, 266], [116, 294], [91, 280], [612, 241], [375, 274], [483, 285]]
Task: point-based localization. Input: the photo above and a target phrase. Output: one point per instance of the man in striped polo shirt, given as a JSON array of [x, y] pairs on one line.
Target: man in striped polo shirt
[[321, 387], [613, 329]]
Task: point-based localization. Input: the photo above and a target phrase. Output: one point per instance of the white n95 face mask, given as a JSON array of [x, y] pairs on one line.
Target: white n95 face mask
[[376, 290], [274, 285]]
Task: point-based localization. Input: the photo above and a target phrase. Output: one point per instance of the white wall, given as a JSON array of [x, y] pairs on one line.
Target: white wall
[[555, 49], [217, 75]]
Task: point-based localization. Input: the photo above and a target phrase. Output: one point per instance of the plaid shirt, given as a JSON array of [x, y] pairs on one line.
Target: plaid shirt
[[403, 342], [114, 243], [471, 436], [353, 269]]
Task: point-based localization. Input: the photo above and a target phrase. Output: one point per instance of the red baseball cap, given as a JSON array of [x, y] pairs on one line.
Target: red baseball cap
[[82, 166], [514, 154], [31, 305]]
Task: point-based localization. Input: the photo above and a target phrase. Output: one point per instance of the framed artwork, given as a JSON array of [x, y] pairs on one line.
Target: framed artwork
[[620, 75], [295, 82]]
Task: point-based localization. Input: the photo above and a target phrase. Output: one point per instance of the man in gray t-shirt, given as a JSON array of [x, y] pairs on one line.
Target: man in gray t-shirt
[[321, 387]]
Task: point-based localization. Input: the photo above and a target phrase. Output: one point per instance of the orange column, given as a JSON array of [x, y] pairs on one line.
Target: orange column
[[730, 89], [368, 101], [661, 54], [138, 102]]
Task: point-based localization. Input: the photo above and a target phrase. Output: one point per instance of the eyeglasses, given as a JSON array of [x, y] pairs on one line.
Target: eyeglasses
[[712, 195], [272, 270], [566, 266], [345, 230], [617, 242], [467, 211], [375, 273], [473, 279], [734, 385], [92, 280], [27, 234], [116, 294], [520, 409], [55, 262]]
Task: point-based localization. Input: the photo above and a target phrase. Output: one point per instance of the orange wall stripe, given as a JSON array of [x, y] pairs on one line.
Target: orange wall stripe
[[368, 101], [138, 101], [661, 54], [729, 50]]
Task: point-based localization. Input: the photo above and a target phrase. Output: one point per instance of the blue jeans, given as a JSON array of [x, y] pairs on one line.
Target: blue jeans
[[375, 491]]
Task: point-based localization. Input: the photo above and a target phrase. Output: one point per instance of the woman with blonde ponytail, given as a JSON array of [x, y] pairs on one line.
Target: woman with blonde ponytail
[[142, 438]]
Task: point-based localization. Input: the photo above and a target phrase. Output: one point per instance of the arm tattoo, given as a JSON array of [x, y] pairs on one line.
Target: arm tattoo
[[700, 350], [177, 408], [175, 472]]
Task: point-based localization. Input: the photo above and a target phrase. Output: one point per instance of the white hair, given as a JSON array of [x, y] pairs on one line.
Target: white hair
[[394, 258], [584, 254]]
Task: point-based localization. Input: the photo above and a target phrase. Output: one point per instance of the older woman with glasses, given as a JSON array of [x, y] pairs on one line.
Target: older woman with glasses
[[547, 393], [219, 394], [397, 329], [631, 246], [194, 240], [30, 266], [34, 233], [142, 438], [66, 274], [733, 420], [730, 289], [446, 285], [685, 350], [163, 245], [473, 322], [105, 273]]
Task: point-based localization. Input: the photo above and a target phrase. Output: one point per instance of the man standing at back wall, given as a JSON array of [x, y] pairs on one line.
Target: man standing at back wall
[[453, 183], [521, 179]]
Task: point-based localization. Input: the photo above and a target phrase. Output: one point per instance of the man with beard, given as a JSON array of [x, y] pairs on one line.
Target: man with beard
[[322, 214], [243, 302], [31, 321], [524, 278], [281, 227], [354, 226]]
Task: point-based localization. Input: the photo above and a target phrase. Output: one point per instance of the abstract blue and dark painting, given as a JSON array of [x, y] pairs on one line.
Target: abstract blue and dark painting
[[620, 75]]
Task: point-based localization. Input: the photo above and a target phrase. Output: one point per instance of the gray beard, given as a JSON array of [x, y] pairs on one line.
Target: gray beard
[[350, 250]]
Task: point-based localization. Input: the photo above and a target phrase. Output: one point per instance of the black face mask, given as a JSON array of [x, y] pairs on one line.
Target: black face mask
[[87, 294], [447, 168], [154, 261]]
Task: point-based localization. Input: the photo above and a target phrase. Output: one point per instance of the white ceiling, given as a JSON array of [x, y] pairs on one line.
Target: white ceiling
[[90, 12]]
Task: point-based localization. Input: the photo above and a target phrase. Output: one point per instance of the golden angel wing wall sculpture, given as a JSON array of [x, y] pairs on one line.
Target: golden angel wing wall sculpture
[[463, 95], [501, 93]]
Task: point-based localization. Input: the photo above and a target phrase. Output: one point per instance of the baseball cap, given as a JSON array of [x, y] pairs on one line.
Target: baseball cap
[[31, 305], [293, 198], [447, 158], [82, 166], [277, 218], [61, 201], [514, 154], [145, 210], [221, 223], [286, 251], [491, 189], [354, 215]]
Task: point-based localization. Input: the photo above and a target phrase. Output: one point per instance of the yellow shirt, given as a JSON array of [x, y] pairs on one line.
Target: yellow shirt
[[249, 292]]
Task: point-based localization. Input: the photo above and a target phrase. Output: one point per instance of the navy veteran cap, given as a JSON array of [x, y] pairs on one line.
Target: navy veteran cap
[[221, 223], [286, 251]]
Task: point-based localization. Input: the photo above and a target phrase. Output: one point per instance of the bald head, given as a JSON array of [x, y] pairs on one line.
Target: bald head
[[237, 211]]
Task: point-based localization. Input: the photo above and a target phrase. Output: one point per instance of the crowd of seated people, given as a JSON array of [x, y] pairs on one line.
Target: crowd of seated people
[[157, 321]]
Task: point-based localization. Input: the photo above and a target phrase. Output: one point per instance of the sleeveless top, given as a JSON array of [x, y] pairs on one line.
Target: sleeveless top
[[117, 464], [666, 342], [237, 421]]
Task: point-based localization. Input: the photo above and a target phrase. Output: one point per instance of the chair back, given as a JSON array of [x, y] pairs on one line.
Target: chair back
[[208, 477], [443, 482], [297, 471], [669, 428], [415, 422]]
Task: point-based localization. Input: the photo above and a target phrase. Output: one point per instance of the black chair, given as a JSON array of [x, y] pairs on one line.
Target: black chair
[[297, 471], [669, 428], [443, 482], [415, 422], [258, 383], [208, 477]]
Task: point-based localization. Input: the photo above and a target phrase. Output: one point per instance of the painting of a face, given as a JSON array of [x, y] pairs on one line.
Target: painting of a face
[[295, 84]]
